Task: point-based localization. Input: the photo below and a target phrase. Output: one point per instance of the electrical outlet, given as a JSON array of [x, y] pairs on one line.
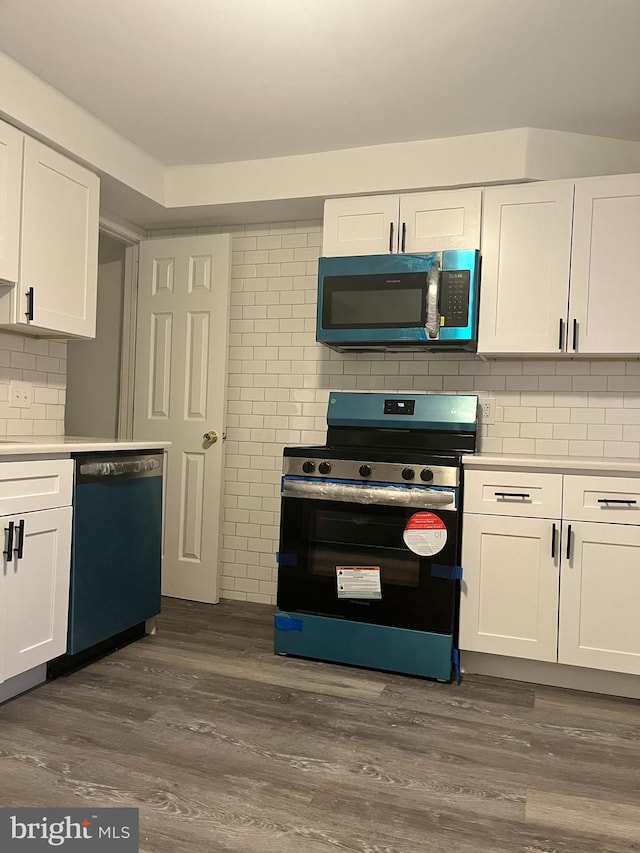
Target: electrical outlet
[[20, 394], [487, 410]]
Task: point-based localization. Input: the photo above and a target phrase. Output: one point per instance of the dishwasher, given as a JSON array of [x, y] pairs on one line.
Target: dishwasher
[[115, 553]]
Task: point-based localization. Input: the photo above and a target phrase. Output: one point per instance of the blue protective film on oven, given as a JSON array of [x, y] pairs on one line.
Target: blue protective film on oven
[[453, 573], [286, 559], [284, 622]]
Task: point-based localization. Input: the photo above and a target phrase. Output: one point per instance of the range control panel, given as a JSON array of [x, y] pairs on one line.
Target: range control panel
[[400, 473]]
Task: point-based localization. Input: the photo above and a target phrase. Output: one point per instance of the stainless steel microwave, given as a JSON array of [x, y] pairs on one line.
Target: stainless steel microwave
[[425, 302]]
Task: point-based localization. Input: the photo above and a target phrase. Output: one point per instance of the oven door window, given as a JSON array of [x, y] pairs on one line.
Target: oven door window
[[371, 301], [317, 536]]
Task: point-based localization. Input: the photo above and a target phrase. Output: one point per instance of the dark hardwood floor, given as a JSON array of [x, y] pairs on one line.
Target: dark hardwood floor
[[225, 747]]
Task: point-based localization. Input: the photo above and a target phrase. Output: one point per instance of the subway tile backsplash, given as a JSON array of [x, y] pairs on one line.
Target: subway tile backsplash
[[279, 381], [44, 365]]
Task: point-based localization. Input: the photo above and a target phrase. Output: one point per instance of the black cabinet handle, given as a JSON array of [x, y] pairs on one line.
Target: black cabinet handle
[[29, 312], [561, 335], [404, 236], [575, 334], [569, 542], [512, 495], [391, 236], [617, 501], [20, 541], [553, 541], [8, 552]]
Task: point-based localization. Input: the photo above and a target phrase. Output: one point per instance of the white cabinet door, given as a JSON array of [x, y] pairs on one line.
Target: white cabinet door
[[509, 600], [11, 142], [360, 226], [59, 250], [432, 222], [599, 595], [35, 589], [526, 251], [605, 266]]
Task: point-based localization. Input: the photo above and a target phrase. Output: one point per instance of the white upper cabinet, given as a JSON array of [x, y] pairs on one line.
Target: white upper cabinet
[[526, 255], [605, 266], [561, 275], [415, 222], [360, 226], [59, 249], [49, 219], [433, 222], [11, 142]]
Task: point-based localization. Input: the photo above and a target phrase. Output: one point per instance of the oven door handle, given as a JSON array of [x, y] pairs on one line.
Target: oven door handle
[[366, 494]]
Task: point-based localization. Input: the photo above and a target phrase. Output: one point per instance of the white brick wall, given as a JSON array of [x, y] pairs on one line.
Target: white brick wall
[[279, 380], [44, 365]]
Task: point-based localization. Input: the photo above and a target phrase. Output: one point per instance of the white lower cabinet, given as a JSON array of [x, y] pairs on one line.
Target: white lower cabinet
[[563, 588], [510, 586], [36, 561]]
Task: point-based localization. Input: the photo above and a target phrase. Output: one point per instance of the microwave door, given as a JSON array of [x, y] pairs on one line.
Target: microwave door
[[432, 324]]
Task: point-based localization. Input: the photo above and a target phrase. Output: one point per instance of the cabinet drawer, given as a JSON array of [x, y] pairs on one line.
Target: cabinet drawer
[[611, 499], [28, 486], [515, 493]]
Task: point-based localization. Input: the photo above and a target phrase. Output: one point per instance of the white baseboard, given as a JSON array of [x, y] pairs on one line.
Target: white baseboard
[[553, 674]]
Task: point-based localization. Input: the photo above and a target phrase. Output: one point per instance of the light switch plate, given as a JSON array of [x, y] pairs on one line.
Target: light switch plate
[[20, 394]]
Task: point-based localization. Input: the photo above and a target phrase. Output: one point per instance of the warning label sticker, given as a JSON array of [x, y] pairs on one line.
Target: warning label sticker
[[425, 534], [358, 582]]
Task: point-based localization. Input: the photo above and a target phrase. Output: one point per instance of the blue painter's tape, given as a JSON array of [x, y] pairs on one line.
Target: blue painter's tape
[[286, 559], [455, 660], [283, 622], [453, 573]]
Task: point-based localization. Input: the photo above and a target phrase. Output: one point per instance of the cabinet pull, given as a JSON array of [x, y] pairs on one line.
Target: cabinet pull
[[522, 495], [404, 236], [575, 334], [391, 236], [553, 541], [8, 552], [20, 541], [627, 502], [561, 335], [29, 312], [569, 542]]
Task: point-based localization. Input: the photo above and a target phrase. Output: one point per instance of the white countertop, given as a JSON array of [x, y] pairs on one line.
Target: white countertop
[[552, 463], [32, 445]]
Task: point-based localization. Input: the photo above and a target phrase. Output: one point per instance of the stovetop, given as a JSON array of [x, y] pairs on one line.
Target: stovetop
[[409, 439]]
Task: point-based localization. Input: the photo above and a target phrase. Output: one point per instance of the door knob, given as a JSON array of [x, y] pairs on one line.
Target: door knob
[[211, 436]]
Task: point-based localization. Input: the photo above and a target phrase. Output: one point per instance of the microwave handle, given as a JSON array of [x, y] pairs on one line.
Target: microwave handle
[[432, 324]]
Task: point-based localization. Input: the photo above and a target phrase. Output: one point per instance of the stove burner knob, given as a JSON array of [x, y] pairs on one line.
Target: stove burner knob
[[308, 467], [324, 467], [408, 474], [365, 470], [426, 475]]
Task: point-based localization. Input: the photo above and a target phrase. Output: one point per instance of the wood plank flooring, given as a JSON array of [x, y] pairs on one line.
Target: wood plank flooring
[[226, 748]]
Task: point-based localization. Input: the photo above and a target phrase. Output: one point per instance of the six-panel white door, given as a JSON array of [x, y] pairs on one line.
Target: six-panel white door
[[180, 377], [526, 252], [509, 600], [11, 142], [605, 266], [35, 590], [59, 247], [599, 595]]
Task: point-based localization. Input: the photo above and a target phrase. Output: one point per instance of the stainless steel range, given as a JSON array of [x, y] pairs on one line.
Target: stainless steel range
[[369, 559]]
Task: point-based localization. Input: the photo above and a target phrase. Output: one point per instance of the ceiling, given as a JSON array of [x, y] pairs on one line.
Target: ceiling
[[212, 81]]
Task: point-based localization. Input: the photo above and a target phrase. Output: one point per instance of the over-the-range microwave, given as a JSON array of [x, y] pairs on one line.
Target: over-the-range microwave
[[425, 302]]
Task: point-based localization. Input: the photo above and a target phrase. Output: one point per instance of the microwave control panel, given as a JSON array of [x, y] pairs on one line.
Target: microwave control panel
[[454, 298]]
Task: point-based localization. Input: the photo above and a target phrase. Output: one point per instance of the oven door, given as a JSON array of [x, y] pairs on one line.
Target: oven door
[[320, 538]]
